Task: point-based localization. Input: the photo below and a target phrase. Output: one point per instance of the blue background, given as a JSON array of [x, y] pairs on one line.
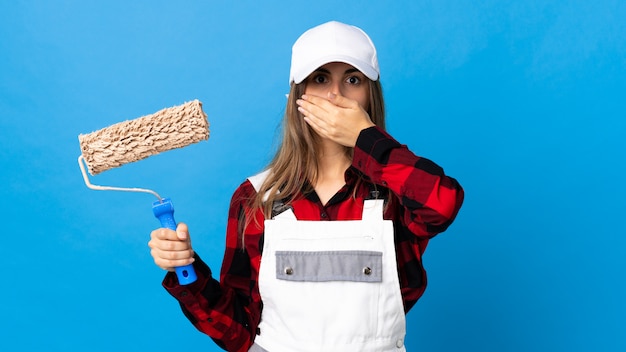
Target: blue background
[[521, 101]]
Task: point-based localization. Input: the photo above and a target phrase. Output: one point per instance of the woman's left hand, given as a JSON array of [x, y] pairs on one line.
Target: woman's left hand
[[337, 118]]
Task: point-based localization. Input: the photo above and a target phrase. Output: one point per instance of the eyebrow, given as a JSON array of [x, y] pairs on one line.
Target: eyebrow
[[350, 70]]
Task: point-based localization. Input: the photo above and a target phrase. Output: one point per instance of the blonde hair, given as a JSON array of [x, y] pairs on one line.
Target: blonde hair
[[295, 163]]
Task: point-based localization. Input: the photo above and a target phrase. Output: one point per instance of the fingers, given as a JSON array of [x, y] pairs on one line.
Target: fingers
[[170, 248], [342, 101], [337, 118], [311, 113], [331, 101], [182, 231], [312, 106], [315, 103]]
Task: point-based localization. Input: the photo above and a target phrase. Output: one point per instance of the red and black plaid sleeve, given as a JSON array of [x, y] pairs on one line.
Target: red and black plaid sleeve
[[228, 311], [425, 201], [431, 198]]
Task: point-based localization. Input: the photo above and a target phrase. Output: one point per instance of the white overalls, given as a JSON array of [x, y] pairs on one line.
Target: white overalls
[[330, 286]]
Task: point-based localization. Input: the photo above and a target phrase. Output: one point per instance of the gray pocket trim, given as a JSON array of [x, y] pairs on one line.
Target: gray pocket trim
[[322, 266]]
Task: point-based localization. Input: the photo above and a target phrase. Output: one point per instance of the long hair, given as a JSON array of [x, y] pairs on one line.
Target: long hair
[[295, 163]]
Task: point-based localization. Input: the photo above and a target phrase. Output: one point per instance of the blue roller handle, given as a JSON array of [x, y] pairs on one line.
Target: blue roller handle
[[164, 211]]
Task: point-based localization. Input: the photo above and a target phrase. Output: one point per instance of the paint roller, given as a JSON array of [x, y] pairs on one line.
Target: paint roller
[[137, 139]]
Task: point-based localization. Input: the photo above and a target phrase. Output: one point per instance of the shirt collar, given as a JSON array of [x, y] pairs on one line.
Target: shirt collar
[[351, 175]]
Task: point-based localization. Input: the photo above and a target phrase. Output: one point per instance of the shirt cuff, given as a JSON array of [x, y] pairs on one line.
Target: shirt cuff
[[372, 148], [186, 294]]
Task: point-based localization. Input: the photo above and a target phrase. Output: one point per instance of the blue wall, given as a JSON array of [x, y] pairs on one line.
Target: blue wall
[[522, 102]]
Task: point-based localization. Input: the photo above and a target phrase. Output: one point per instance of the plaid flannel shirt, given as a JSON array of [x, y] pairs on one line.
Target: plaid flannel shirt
[[423, 202]]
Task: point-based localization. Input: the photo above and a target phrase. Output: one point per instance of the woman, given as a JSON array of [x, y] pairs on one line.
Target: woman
[[323, 248]]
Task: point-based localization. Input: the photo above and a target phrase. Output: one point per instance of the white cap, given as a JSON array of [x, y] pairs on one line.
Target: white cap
[[333, 42]]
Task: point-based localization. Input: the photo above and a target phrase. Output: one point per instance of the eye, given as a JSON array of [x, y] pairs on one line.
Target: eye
[[354, 80], [319, 79]]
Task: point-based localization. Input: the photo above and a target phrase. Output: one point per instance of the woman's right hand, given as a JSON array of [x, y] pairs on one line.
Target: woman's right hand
[[171, 249]]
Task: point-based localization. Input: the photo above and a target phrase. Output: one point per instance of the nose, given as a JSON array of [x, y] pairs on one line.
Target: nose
[[335, 87]]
